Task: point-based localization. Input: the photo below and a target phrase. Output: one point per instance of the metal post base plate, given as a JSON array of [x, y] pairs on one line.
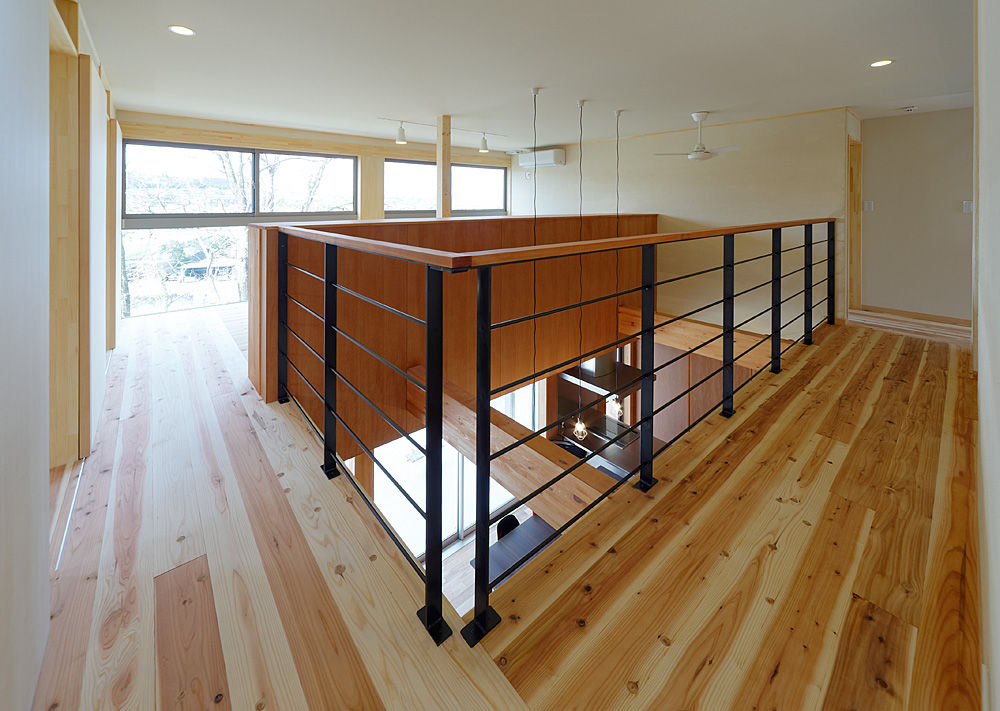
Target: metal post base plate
[[474, 632], [283, 399], [331, 472], [439, 631], [644, 487], [727, 412]]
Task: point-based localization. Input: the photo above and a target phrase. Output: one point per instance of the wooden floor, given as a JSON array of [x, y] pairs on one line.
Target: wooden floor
[[204, 561], [817, 549]]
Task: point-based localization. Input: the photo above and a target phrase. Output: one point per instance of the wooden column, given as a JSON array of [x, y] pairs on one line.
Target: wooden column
[[444, 166], [372, 192]]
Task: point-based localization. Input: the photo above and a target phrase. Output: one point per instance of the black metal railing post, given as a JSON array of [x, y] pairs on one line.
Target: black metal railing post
[[330, 362], [808, 296], [776, 300], [647, 340], [484, 617], [282, 317], [728, 318], [430, 613], [831, 272]]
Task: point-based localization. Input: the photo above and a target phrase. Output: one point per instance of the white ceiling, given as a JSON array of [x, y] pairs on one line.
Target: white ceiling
[[338, 65]]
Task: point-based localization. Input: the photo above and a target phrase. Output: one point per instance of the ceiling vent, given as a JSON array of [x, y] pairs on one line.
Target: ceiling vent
[[909, 109]]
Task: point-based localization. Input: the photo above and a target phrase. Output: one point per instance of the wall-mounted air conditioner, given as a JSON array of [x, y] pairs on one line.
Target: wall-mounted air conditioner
[[545, 159]]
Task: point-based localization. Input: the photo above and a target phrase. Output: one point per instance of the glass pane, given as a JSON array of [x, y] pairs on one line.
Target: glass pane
[[410, 186], [166, 180], [477, 188], [498, 495], [291, 183], [172, 269], [518, 405]]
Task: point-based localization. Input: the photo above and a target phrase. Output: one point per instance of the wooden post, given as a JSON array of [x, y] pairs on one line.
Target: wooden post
[[444, 166], [364, 473], [372, 197]]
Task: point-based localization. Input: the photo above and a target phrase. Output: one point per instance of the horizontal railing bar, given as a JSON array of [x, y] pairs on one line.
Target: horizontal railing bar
[[752, 259], [304, 271], [786, 325], [356, 438], [752, 288], [793, 273], [382, 360], [371, 455], [572, 468], [379, 304], [820, 261], [825, 298], [582, 357], [675, 319], [620, 483], [670, 280], [392, 423], [304, 307], [386, 526], [821, 281], [800, 292], [758, 344], [744, 322], [792, 249], [303, 342], [795, 342], [550, 312], [625, 386], [456, 261]]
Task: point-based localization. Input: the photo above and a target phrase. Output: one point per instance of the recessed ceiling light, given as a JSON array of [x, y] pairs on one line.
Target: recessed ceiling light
[[181, 30], [881, 63]]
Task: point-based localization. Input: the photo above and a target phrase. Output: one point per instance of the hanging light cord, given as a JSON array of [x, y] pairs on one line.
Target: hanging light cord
[[534, 232], [579, 389], [618, 180]]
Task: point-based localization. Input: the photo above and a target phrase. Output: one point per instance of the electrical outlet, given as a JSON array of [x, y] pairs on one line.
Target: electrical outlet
[[967, 207], [869, 206]]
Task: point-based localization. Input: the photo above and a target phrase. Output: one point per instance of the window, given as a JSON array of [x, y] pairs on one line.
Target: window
[[171, 180], [410, 187], [293, 183], [186, 208], [479, 189]]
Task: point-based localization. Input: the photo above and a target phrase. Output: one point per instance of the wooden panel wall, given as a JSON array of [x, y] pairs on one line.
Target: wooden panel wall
[[518, 290]]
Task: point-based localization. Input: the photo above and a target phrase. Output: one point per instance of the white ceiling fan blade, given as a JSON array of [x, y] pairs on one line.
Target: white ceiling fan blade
[[724, 149], [670, 154]]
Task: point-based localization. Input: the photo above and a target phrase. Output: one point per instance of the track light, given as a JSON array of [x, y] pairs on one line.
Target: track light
[[483, 148], [401, 135]]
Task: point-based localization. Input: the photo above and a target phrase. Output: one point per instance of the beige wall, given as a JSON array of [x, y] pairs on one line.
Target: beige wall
[[24, 140], [988, 321], [917, 243], [788, 167]]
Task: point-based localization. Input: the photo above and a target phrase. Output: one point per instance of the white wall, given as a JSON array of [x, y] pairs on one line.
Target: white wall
[[917, 243], [788, 168], [988, 319], [24, 421]]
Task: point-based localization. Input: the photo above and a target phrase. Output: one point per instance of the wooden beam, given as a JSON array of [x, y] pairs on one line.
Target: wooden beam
[[444, 166], [364, 472]]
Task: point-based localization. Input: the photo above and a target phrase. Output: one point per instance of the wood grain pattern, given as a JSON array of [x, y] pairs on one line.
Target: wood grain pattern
[[191, 672], [873, 666], [740, 580]]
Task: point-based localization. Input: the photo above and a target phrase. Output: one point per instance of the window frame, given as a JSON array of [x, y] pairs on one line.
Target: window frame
[[148, 221], [485, 213], [408, 214]]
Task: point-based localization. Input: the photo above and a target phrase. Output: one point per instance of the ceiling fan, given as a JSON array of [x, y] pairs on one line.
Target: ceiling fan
[[699, 152]]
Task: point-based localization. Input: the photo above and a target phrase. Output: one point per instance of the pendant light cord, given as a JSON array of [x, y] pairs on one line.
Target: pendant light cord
[[579, 389], [534, 238], [618, 181]]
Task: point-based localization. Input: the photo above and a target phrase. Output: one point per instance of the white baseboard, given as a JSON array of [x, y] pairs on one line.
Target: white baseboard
[[911, 326]]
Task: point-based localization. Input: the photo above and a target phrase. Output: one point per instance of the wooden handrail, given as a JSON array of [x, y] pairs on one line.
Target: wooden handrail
[[493, 257]]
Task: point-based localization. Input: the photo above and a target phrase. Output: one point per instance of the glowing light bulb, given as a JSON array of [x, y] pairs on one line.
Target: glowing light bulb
[[580, 430], [616, 407]]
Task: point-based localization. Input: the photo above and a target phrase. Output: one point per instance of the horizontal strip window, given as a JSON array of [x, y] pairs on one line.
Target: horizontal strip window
[[219, 186]]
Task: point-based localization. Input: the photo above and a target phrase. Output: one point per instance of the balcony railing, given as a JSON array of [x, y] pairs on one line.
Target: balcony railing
[[439, 265]]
